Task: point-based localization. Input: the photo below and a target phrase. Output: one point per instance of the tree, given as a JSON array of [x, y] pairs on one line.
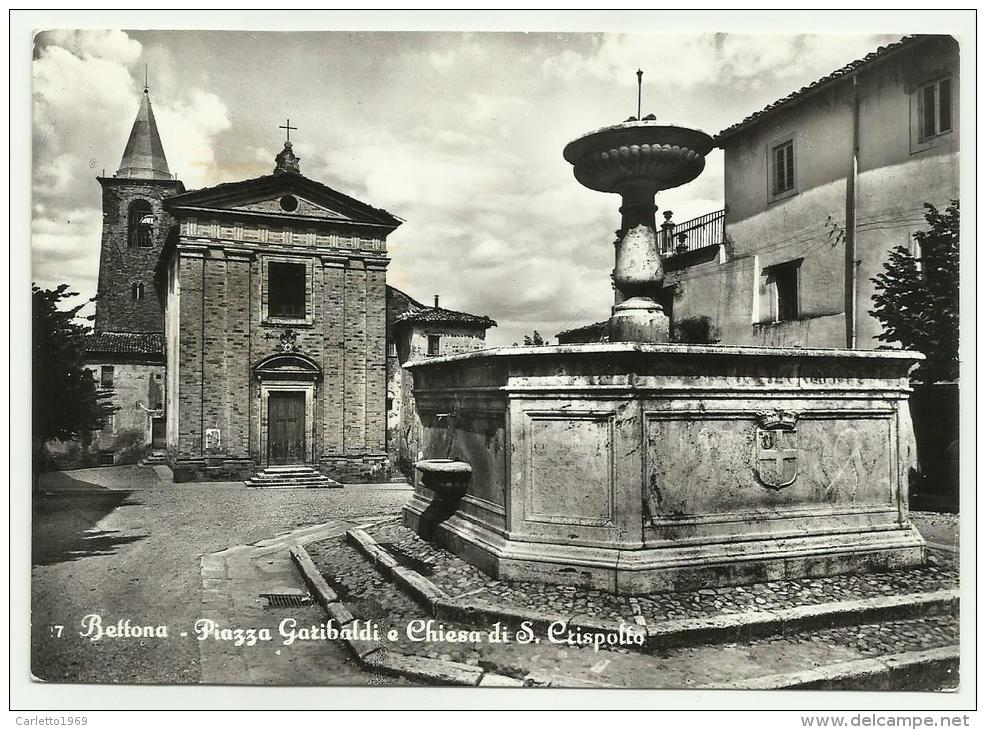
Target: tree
[[65, 402], [534, 340], [917, 299]]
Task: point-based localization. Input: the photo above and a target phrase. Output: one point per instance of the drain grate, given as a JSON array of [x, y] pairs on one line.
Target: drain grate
[[287, 600]]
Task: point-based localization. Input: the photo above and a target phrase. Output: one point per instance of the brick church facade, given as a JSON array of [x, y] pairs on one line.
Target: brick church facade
[[244, 328], [275, 298]]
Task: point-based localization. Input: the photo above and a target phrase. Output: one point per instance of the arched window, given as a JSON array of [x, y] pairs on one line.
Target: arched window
[[140, 225], [137, 291]]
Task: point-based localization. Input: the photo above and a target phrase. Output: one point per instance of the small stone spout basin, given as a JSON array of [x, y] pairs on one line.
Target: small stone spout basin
[[448, 478]]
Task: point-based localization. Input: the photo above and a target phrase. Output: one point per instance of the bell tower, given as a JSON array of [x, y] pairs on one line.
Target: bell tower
[[135, 228]]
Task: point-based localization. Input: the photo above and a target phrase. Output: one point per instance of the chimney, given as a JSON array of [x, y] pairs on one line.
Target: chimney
[[436, 301]]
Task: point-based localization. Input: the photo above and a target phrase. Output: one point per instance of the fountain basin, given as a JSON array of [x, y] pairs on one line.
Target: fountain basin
[[641, 467], [449, 479], [641, 153]]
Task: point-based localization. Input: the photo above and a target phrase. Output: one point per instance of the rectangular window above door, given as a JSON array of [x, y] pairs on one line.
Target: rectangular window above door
[[287, 290]]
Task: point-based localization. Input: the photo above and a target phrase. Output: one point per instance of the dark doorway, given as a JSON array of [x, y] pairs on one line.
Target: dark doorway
[[286, 428], [157, 433]]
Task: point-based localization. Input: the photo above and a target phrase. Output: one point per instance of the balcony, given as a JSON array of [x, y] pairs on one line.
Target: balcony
[[705, 232]]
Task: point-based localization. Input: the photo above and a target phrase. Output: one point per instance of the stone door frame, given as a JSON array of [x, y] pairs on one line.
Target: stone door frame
[[266, 388]]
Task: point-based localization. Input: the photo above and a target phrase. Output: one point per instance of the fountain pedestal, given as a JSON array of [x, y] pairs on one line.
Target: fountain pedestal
[[634, 468]]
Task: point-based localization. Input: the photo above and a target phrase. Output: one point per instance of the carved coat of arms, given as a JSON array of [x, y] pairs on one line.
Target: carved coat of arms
[[289, 341], [776, 454]]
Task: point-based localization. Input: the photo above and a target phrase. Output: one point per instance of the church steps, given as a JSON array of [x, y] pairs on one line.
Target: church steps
[[291, 477], [155, 457]]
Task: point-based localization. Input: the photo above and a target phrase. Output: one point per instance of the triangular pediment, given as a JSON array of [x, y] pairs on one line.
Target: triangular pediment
[[293, 205], [284, 196]]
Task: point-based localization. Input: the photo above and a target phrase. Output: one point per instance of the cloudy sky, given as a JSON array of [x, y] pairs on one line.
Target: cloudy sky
[[459, 134]]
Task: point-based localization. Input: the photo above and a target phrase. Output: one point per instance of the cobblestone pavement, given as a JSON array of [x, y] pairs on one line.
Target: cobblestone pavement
[[456, 577], [136, 553], [372, 597]]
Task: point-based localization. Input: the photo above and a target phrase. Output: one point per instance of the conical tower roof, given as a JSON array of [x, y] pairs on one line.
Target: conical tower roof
[[144, 156]]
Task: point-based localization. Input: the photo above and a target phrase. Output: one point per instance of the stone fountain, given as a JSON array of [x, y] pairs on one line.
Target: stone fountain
[[641, 465], [636, 160]]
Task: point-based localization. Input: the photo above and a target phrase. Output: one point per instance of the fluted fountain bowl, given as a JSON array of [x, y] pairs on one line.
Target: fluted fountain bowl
[[633, 153]]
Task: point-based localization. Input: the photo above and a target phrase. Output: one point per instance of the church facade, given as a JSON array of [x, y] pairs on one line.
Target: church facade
[[244, 328], [275, 329]]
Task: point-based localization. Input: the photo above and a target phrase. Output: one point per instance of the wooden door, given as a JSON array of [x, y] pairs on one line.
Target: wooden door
[[286, 428]]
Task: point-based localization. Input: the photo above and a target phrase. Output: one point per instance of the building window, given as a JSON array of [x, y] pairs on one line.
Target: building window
[[782, 161], [286, 290], [391, 349], [935, 109], [137, 291], [434, 344], [106, 376], [784, 280], [140, 225]]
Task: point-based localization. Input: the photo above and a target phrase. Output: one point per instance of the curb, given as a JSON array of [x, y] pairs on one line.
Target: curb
[[877, 673], [667, 634], [372, 655]]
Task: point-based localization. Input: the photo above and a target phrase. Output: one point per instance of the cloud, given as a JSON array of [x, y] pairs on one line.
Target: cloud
[[486, 228], [189, 127], [461, 135], [112, 45], [681, 61], [84, 102], [65, 244]]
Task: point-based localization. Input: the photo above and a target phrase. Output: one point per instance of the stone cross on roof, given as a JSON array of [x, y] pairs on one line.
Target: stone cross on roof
[[288, 128]]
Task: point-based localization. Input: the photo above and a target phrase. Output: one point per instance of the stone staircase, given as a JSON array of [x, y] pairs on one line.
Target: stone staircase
[[157, 456], [295, 476]]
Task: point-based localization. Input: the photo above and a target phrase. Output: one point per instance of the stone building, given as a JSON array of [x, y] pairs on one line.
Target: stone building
[[246, 326], [414, 332], [126, 352], [275, 310], [819, 187], [131, 365]]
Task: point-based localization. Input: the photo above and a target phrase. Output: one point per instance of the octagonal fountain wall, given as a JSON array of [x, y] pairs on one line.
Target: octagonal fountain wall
[[640, 467]]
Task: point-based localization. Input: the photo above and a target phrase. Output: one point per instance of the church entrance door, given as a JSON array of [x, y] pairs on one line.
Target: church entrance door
[[286, 428]]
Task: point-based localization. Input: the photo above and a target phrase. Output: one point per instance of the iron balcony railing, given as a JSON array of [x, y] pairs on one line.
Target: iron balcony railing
[[706, 230]]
